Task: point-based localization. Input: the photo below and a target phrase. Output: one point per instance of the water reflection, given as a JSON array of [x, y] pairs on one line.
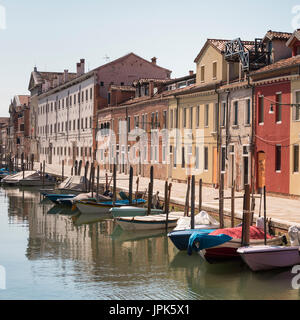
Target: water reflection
[[90, 257]]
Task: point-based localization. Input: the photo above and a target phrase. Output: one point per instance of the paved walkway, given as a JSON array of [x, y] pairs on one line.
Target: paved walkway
[[284, 212]]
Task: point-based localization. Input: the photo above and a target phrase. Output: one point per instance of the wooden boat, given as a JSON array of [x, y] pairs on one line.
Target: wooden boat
[[180, 238], [88, 206], [56, 197], [127, 211], [228, 249], [204, 223], [13, 180], [36, 179], [153, 222], [270, 257]]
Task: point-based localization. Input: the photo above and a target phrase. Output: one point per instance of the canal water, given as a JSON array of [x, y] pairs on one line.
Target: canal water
[[54, 253]]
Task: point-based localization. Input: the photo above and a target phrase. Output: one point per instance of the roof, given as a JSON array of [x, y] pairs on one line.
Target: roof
[[285, 63], [40, 77], [122, 88], [294, 36], [128, 55], [271, 35], [219, 45], [22, 100], [147, 80]]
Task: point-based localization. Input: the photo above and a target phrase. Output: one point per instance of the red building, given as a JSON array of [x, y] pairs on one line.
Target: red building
[[273, 134]]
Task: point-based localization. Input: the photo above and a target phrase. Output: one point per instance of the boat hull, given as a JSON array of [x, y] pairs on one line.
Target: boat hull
[[88, 208], [229, 249], [180, 238], [142, 223], [268, 258], [132, 212], [102, 207]]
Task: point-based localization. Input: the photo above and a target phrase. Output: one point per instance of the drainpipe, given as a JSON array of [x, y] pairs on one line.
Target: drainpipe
[[219, 136], [253, 175]]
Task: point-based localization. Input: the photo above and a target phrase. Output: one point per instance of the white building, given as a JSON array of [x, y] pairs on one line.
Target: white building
[[65, 119]]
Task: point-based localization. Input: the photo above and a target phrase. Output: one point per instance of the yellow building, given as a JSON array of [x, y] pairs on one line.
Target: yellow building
[[196, 112]]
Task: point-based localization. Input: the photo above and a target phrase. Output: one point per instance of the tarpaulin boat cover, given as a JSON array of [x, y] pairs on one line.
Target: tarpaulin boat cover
[[236, 233], [199, 241]]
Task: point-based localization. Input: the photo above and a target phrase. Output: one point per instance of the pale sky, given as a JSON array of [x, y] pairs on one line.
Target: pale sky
[[54, 35]]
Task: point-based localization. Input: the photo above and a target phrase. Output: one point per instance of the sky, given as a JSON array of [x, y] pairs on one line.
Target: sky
[[55, 35]]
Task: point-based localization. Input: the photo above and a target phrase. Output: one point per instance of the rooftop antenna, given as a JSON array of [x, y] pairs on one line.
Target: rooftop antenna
[[106, 58]]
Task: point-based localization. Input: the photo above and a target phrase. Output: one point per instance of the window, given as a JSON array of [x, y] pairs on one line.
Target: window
[[278, 107], [183, 158], [278, 158], [296, 109], [296, 158], [206, 115], [171, 118], [86, 95], [128, 124], [202, 73], [184, 118], [191, 118], [70, 100], [165, 119], [197, 158], [198, 117], [223, 168], [206, 158], [236, 113], [91, 93], [223, 114], [214, 70], [261, 110], [74, 98], [216, 107], [248, 112]]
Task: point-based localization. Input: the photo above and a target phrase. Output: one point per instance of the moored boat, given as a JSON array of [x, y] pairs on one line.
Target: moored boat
[[153, 222], [88, 206], [128, 211], [13, 180], [270, 257], [229, 248]]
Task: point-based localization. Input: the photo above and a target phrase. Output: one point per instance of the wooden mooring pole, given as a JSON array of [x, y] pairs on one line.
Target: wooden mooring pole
[[193, 203], [200, 195], [98, 178], [44, 168], [221, 201], [115, 184], [265, 216], [166, 204], [232, 204], [150, 191], [246, 218], [187, 206], [130, 185]]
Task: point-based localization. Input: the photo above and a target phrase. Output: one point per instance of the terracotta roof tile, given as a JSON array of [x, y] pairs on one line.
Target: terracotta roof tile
[[122, 88], [278, 35], [294, 61], [219, 44]]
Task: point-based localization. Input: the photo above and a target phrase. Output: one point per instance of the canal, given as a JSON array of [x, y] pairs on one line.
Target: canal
[[54, 253]]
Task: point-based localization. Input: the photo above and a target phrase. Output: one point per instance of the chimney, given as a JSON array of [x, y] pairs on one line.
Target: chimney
[[78, 68], [35, 69], [191, 72], [59, 79], [82, 65], [154, 59], [66, 76]]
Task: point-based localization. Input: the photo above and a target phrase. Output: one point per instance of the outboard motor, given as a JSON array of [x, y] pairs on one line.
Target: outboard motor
[[260, 224], [294, 234]]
